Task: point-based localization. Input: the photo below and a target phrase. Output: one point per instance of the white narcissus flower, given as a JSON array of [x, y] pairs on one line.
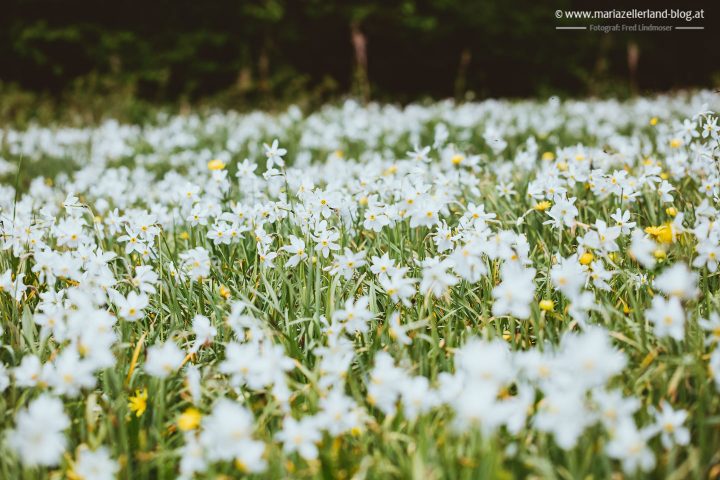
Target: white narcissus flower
[[399, 287], [163, 359], [630, 445], [38, 437], [71, 373], [133, 239], [668, 317], [670, 423], [227, 434], [613, 407], [517, 290], [204, 332], [192, 457], [664, 191], [397, 330], [712, 327], [565, 415], [297, 249], [131, 308], [568, 276], [326, 241], [196, 263], [708, 255], [417, 397], [622, 220], [375, 219], [145, 279], [678, 281], [95, 464], [274, 154], [356, 315], [301, 436], [436, 279], [382, 266], [12, 284], [32, 372], [339, 413], [642, 249], [220, 234], [594, 358], [347, 263], [425, 212], [563, 212]]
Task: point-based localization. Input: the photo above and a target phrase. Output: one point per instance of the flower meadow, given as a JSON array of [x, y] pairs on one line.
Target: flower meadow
[[503, 289]]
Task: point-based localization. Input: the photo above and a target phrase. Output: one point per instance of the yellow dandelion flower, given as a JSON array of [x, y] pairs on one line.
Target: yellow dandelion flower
[[586, 258], [547, 305], [138, 402], [216, 164], [662, 233], [189, 419], [542, 206]]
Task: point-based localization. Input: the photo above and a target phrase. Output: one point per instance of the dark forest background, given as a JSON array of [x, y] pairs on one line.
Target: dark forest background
[[247, 53]]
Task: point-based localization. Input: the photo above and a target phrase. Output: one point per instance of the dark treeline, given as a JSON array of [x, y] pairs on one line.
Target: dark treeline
[[401, 49]]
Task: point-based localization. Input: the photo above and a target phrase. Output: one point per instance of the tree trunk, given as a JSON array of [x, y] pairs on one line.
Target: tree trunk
[[359, 42], [461, 80], [633, 58]]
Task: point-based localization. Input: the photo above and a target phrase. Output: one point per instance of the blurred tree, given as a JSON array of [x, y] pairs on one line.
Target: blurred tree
[[404, 49]]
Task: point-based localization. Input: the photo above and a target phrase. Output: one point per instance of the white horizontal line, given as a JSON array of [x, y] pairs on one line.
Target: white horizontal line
[[689, 28], [570, 28]]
